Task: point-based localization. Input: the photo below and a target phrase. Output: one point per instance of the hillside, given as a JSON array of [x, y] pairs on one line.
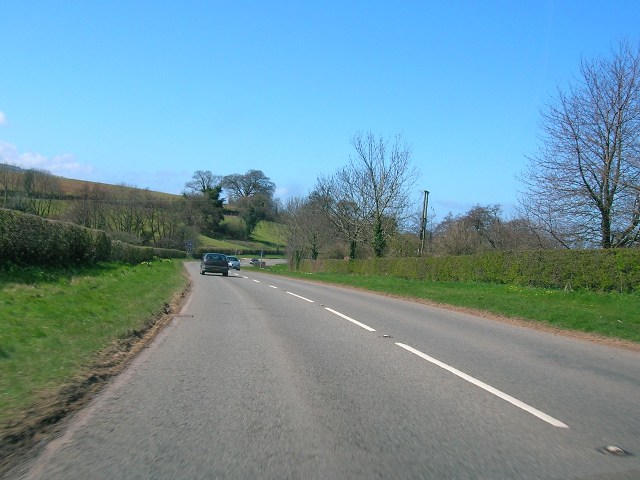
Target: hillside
[[54, 196]]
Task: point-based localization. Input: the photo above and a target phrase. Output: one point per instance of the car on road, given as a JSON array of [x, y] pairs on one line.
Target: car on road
[[214, 263], [234, 262], [256, 262]]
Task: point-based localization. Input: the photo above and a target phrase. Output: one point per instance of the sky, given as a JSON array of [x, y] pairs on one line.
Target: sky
[[147, 92]]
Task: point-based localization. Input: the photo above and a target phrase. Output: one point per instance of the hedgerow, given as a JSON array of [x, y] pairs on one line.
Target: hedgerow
[[32, 240], [598, 270]]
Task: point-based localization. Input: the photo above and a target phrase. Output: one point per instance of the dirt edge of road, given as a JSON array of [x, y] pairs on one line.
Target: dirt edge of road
[[43, 420]]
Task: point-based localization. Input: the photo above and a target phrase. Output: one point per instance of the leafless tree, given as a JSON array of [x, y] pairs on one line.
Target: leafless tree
[[583, 185], [40, 190], [307, 231], [254, 182], [483, 229], [369, 198], [90, 208], [10, 180], [202, 181]]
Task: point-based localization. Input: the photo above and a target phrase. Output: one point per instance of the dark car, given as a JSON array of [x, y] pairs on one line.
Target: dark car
[[214, 263]]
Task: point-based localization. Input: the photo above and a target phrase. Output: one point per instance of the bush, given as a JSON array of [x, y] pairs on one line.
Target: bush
[[247, 252], [31, 240], [124, 252], [599, 270], [28, 239]]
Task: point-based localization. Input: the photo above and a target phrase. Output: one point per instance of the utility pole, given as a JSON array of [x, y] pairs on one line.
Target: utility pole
[[423, 226]]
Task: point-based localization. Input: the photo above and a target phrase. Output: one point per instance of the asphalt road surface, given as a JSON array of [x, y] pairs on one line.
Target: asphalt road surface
[[268, 377]]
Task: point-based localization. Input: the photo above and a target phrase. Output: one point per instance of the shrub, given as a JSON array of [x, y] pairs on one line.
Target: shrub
[[31, 240], [28, 239], [600, 270]]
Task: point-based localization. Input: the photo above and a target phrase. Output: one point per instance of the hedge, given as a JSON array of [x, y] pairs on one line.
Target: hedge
[[599, 270], [29, 239], [125, 252], [198, 252]]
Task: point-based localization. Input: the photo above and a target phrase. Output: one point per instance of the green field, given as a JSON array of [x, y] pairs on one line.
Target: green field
[[267, 236]]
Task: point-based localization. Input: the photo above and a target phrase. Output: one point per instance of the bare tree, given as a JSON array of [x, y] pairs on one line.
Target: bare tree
[[90, 208], [10, 176], [369, 198], [254, 182], [40, 190], [583, 186], [307, 231], [483, 229], [202, 181]]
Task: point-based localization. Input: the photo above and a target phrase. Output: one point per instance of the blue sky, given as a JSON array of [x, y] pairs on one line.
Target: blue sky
[[147, 92]]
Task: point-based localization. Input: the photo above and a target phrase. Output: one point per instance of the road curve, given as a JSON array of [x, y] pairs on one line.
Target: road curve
[[268, 377]]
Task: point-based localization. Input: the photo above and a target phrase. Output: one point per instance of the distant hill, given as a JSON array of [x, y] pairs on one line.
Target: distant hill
[[74, 188], [11, 168], [266, 237]]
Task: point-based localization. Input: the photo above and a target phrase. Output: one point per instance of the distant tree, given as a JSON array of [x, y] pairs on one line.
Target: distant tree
[[483, 229], [308, 232], [90, 208], [202, 181], [253, 209], [204, 206], [252, 194], [369, 198], [9, 182], [583, 186], [40, 190], [254, 182]]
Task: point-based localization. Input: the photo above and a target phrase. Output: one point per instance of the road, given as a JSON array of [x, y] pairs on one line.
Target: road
[[262, 376]]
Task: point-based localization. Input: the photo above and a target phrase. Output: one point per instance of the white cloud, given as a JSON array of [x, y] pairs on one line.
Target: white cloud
[[64, 165], [3, 118]]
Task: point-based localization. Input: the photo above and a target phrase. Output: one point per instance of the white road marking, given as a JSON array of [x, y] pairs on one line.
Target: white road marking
[[303, 298], [257, 281], [273, 286], [488, 388], [366, 327]]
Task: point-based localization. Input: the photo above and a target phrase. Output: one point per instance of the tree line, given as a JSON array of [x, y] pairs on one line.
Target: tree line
[[581, 189]]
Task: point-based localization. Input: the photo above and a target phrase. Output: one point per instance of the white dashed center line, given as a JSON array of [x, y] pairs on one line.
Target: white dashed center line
[[366, 327], [303, 298], [488, 388], [514, 401]]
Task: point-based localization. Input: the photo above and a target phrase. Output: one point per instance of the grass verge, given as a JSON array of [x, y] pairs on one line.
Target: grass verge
[[54, 324], [612, 315]]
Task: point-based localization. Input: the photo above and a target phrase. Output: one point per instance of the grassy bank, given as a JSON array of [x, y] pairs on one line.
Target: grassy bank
[[612, 315], [54, 321]]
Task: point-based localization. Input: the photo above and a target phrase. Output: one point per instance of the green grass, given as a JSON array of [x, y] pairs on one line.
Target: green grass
[[267, 236], [612, 315], [52, 322]]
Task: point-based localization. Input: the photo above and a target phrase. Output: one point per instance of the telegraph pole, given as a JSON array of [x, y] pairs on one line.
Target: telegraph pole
[[423, 226]]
